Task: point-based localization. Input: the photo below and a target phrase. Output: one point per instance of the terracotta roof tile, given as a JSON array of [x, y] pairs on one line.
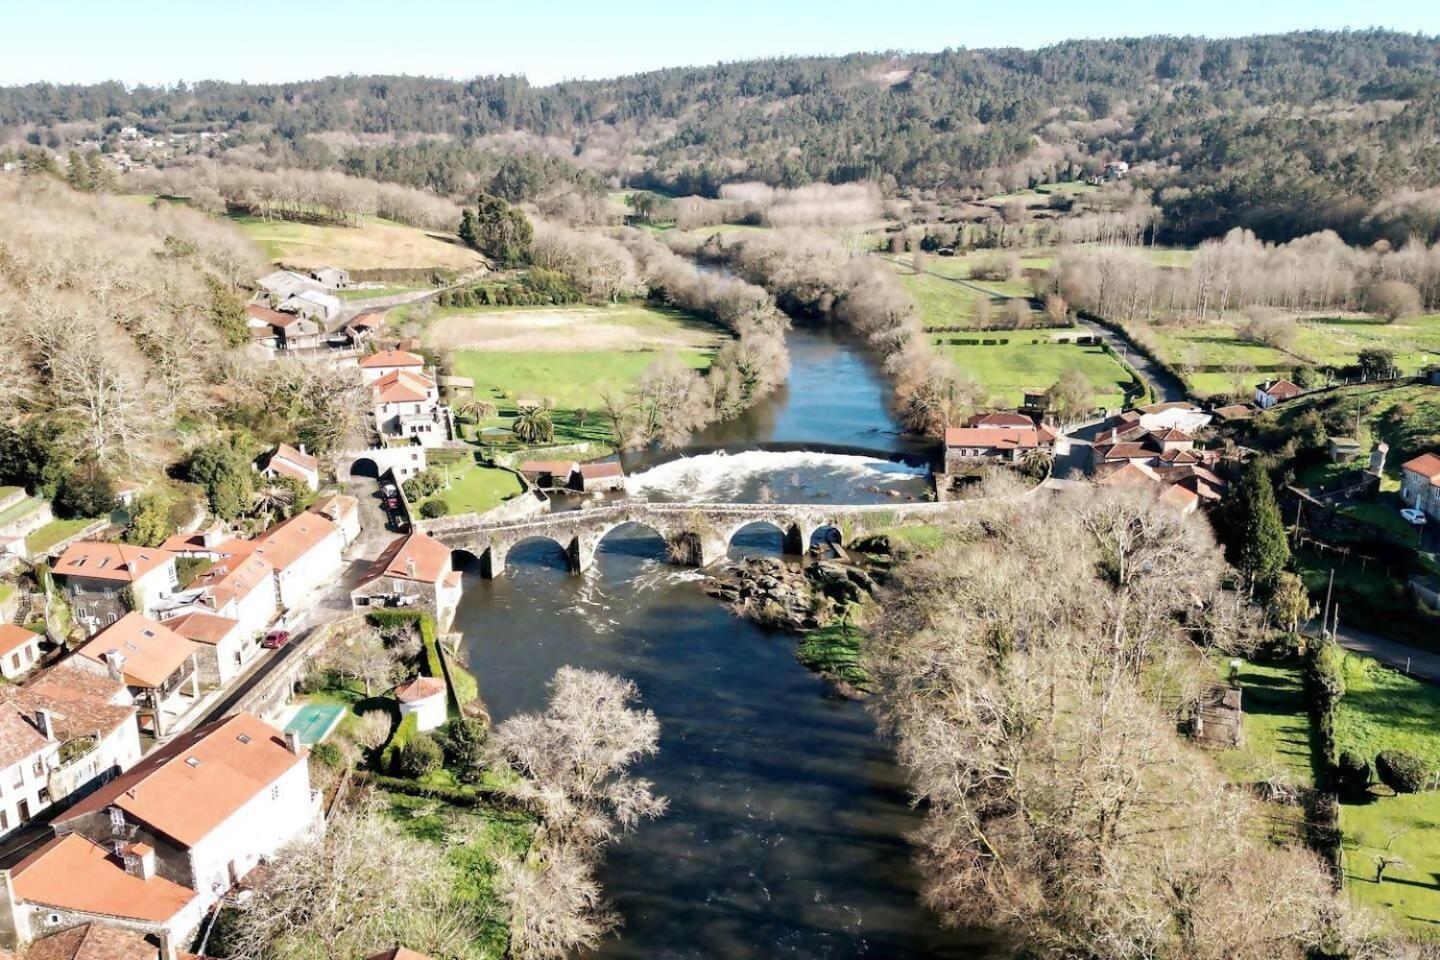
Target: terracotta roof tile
[[193, 784], [152, 651], [430, 557], [292, 539], [12, 638], [119, 562], [392, 358], [421, 688], [998, 438], [79, 702], [201, 627], [74, 873], [94, 941], [18, 737], [1427, 465], [402, 386]]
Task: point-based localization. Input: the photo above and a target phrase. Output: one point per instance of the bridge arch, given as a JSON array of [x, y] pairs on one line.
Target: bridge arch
[[364, 467], [792, 534], [568, 550]]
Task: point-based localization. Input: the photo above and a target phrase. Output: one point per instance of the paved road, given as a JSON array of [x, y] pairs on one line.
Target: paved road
[[1421, 664]]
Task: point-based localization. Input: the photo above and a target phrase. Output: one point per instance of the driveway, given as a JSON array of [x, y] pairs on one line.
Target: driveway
[[1418, 663], [1163, 384]]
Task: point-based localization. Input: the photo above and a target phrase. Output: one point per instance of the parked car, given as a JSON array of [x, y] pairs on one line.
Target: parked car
[[389, 490], [1414, 515], [275, 639]]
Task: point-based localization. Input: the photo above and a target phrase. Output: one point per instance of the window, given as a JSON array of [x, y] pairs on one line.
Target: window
[[275, 792]]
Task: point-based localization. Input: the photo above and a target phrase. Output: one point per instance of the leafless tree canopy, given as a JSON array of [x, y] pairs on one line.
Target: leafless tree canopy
[[1031, 674]]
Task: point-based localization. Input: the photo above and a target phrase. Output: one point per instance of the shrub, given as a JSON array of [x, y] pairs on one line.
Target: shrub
[[328, 755], [420, 755], [423, 484], [465, 748], [1401, 771], [1352, 775], [390, 757], [431, 509]]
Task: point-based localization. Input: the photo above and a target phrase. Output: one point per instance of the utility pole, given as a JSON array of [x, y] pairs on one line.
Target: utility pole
[[1325, 617]]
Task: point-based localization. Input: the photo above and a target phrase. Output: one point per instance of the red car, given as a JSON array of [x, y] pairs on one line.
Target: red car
[[275, 639]]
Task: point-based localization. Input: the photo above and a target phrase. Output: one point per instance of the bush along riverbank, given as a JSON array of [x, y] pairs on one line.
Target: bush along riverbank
[[825, 602]]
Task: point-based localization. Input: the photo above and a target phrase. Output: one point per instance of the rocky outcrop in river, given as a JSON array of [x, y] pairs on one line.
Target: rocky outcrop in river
[[788, 595]]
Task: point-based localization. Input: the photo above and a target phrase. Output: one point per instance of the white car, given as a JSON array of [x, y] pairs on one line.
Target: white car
[[1414, 515]]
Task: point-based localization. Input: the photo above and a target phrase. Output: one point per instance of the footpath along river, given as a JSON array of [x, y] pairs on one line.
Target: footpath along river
[[786, 834]]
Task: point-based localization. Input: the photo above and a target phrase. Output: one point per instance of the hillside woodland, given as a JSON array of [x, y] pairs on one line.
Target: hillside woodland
[[1283, 134]]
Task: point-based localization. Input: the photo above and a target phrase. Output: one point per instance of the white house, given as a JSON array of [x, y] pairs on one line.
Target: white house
[[306, 552], [157, 846], [408, 405], [1271, 392], [344, 511], [385, 362], [425, 698], [1420, 484], [160, 667], [331, 278], [240, 588], [96, 578], [75, 731], [287, 461], [19, 651], [414, 570]]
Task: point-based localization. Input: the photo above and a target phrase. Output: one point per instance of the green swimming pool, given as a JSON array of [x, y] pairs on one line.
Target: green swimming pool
[[315, 721]]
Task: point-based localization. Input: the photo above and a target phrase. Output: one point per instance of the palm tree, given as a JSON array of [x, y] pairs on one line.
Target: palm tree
[[533, 425], [476, 410], [272, 499], [1037, 463]]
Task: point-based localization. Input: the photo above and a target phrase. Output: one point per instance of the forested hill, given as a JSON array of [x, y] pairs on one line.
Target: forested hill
[[1309, 125]]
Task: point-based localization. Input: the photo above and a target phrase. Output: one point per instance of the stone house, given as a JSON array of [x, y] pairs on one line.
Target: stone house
[[331, 278], [599, 477], [1271, 392], [548, 473], [415, 570], [104, 580], [1420, 484], [223, 646], [287, 461], [313, 305], [967, 446]]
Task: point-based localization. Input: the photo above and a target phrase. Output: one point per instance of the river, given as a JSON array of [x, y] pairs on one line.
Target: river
[[788, 816]]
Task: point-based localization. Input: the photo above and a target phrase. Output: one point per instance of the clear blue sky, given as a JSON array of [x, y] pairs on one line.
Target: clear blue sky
[[161, 41]]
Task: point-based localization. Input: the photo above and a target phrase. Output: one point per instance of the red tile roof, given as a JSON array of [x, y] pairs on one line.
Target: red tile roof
[[236, 577], [999, 438], [392, 358], [79, 701], [201, 627], [1000, 418], [94, 941], [290, 540], [1280, 389], [553, 467], [421, 688], [600, 471], [119, 562], [152, 651], [12, 638], [402, 386], [18, 737], [196, 782], [1427, 465], [417, 556], [74, 873]]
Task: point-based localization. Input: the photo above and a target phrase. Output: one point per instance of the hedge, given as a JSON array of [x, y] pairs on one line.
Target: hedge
[[408, 728], [464, 688], [1401, 771]]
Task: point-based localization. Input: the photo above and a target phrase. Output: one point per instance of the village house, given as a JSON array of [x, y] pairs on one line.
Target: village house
[[1420, 484], [414, 570], [386, 362], [1271, 392], [1169, 415], [425, 698], [19, 651], [362, 328], [995, 438], [1184, 495], [331, 278], [104, 580], [224, 647], [156, 847], [94, 941], [240, 588], [601, 477], [313, 305], [276, 330], [306, 552], [286, 461], [159, 667], [548, 474], [79, 732], [279, 286], [407, 404]]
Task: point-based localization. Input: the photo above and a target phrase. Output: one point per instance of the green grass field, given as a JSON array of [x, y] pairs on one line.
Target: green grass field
[[53, 532], [943, 303], [372, 293], [572, 380], [19, 510], [1007, 370], [1386, 710], [1278, 740], [377, 244], [474, 488]]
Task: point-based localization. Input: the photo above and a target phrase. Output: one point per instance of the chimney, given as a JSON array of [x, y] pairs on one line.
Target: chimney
[[292, 741], [45, 723], [302, 451], [139, 859], [410, 567], [115, 660]]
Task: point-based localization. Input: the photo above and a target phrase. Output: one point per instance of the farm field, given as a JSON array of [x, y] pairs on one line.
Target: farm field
[[373, 293], [1278, 739], [1008, 369], [944, 304], [1385, 710], [378, 244], [570, 328]]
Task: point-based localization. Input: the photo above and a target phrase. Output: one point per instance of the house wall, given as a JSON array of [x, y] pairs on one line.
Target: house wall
[[44, 921], [430, 713], [280, 813], [1417, 491], [118, 751], [322, 563], [221, 662], [255, 610], [27, 781], [20, 660]]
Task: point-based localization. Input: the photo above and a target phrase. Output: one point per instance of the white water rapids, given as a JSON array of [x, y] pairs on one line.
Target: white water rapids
[[756, 476]]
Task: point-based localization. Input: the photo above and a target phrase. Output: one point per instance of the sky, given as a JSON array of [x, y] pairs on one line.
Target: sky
[[164, 41]]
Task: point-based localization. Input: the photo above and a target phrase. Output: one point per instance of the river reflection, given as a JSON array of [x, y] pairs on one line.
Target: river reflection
[[785, 834]]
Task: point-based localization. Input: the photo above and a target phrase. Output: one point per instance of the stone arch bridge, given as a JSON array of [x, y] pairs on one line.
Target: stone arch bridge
[[697, 534]]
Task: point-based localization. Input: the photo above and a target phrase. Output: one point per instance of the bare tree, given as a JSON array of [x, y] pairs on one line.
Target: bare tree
[[556, 905], [362, 656]]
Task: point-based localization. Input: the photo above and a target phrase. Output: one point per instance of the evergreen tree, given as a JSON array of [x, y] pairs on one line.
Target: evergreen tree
[[503, 233], [467, 231], [102, 178], [1256, 534], [77, 172]]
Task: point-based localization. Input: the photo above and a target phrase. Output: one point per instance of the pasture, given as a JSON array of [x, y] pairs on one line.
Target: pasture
[[375, 245], [1007, 370]]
